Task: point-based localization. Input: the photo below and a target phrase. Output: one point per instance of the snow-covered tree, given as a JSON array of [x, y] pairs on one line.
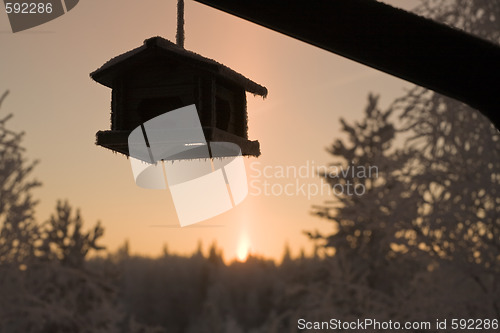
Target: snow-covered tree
[[430, 223], [45, 284], [18, 230]]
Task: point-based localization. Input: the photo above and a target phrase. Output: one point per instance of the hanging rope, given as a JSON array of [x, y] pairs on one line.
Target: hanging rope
[[179, 38]]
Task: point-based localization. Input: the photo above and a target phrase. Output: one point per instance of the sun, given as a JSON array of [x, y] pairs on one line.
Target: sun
[[243, 248]]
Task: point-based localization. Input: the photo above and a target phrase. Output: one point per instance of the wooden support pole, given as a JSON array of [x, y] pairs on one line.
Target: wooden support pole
[[419, 50], [179, 37]]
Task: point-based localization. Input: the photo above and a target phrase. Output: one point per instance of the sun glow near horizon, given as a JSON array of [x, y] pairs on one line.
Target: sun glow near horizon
[[243, 247]]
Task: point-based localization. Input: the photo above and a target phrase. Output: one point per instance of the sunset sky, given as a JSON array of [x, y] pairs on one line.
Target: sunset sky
[[60, 108]]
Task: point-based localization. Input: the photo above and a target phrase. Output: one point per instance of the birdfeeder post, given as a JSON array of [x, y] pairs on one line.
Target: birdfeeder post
[[179, 37]]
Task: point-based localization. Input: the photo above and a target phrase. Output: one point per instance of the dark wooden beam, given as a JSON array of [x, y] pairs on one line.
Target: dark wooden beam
[[394, 41]]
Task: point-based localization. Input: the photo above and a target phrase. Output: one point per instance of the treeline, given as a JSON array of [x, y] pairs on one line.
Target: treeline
[[200, 293]]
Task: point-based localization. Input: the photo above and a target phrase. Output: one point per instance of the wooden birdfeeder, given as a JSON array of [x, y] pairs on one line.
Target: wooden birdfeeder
[[161, 76]]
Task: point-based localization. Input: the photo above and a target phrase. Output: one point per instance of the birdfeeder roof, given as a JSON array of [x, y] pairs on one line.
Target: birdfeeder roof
[[160, 47]]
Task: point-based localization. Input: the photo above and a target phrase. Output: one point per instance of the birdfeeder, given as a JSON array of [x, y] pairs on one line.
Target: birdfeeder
[[161, 76]]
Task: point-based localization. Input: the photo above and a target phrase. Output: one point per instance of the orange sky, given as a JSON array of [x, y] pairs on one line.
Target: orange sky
[[60, 108]]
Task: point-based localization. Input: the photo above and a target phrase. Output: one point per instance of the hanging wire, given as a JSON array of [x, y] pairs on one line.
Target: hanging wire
[[179, 37]]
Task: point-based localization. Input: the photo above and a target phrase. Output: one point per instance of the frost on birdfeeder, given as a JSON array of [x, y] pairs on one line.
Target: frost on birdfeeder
[[160, 76]]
